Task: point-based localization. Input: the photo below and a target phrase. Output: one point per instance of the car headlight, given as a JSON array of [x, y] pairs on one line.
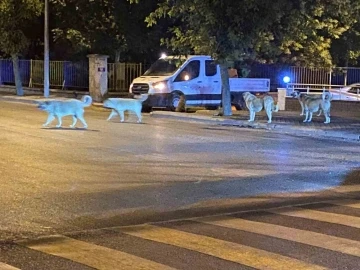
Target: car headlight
[[161, 86]]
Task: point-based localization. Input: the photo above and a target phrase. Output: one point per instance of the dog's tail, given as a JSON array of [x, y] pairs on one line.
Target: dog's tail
[[87, 100], [275, 108], [143, 97]]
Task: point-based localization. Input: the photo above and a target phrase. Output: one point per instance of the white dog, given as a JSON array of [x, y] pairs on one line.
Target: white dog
[[255, 104], [301, 98], [312, 105], [61, 108], [120, 105]]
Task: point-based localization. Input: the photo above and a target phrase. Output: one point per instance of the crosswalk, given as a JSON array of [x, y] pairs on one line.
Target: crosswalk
[[314, 236]]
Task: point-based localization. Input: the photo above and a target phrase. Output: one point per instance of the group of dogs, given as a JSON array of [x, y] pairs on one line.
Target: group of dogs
[[310, 103], [75, 108], [59, 108]]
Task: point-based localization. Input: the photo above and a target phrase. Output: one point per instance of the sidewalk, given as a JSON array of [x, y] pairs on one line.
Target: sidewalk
[[344, 125]]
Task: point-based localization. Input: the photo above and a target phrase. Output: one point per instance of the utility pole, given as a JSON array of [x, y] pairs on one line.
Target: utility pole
[[46, 50]]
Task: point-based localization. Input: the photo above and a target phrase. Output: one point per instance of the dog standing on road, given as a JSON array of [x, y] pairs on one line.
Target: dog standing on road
[[61, 108], [120, 105], [312, 105], [301, 97], [255, 104]]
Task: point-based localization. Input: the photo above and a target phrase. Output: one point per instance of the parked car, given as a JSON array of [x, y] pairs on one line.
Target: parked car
[[350, 92]]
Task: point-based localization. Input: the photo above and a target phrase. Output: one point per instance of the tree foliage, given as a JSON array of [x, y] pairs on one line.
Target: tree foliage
[[111, 27], [300, 31], [15, 16], [289, 31]]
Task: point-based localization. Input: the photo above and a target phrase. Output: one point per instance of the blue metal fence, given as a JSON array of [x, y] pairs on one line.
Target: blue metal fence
[[7, 73], [75, 75], [63, 74]]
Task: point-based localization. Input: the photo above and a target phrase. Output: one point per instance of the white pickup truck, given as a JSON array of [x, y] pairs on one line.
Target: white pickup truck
[[196, 77]]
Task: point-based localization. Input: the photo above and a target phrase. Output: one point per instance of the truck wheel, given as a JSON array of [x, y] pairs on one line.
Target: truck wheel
[[177, 102], [239, 104]]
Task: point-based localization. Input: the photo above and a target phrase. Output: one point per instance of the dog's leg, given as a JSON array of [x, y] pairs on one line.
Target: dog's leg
[[327, 117], [82, 120], [269, 115], [59, 121], [50, 118], [122, 118], [251, 116], [302, 108], [306, 116], [138, 114], [319, 112], [112, 114], [310, 117], [74, 121]]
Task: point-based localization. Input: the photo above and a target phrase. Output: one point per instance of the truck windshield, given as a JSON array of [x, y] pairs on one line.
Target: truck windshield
[[164, 67]]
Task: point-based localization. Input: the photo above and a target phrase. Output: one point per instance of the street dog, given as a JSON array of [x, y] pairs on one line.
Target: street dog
[[61, 108], [312, 105], [120, 105], [255, 104], [301, 98]]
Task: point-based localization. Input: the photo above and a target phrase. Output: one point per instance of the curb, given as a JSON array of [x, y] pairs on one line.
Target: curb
[[20, 100], [274, 127], [212, 119]]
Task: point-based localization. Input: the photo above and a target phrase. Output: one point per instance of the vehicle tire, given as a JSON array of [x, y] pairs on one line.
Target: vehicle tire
[[239, 104], [175, 102]]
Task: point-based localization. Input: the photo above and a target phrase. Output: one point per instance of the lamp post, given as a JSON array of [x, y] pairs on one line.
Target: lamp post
[[46, 50]]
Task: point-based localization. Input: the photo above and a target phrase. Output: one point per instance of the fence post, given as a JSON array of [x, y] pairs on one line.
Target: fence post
[[345, 77], [308, 90], [1, 64], [98, 76], [282, 93], [31, 70]]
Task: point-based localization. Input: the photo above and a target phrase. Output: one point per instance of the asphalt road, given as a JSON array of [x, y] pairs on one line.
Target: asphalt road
[[65, 181]]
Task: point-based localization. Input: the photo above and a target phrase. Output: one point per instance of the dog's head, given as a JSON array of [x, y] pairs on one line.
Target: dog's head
[[143, 97], [248, 96], [108, 103], [326, 96], [43, 105], [295, 94]]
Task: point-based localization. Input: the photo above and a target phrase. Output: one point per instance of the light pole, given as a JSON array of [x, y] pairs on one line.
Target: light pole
[[46, 50]]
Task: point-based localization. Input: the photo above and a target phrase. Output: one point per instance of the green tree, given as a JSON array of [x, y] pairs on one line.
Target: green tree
[[113, 27], [15, 15], [299, 31], [345, 50]]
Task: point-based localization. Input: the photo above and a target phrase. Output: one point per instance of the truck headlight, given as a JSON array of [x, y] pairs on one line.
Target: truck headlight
[[161, 86]]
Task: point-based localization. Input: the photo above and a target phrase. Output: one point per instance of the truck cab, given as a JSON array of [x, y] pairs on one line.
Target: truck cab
[[196, 78]]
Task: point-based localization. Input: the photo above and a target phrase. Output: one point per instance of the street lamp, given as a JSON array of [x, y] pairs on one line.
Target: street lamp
[[46, 50]]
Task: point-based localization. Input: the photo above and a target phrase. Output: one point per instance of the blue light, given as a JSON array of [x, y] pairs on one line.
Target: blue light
[[286, 79]]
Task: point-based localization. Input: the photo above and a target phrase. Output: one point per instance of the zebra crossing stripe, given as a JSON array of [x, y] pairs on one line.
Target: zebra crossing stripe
[[4, 266], [329, 242], [91, 255], [319, 216], [256, 258], [346, 189], [348, 203]]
